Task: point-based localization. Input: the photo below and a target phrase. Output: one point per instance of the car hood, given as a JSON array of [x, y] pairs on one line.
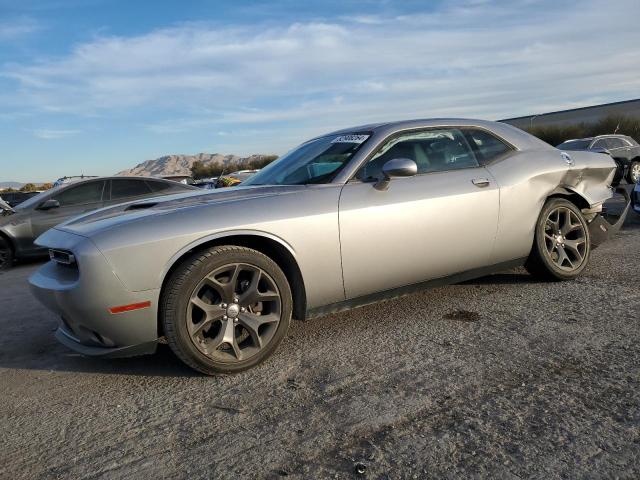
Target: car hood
[[110, 217]]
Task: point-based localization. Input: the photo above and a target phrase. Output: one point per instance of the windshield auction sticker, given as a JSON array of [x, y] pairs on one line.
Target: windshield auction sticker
[[350, 139]]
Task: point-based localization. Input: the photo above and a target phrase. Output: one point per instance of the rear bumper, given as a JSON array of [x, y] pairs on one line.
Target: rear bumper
[[601, 230], [83, 297]]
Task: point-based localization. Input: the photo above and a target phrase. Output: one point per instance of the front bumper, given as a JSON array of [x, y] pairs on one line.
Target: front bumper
[[601, 230], [82, 298], [67, 339]]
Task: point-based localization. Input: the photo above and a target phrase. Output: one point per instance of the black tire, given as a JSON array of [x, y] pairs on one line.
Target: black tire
[[176, 310], [633, 175], [6, 255], [541, 262]]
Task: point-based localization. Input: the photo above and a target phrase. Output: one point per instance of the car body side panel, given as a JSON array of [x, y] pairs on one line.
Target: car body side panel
[[17, 228], [423, 227], [305, 217], [528, 178]]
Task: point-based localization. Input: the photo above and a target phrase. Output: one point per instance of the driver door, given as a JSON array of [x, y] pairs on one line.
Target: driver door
[[437, 223]]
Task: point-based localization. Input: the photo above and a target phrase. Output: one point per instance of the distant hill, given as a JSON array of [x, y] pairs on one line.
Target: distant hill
[[11, 184], [181, 164]]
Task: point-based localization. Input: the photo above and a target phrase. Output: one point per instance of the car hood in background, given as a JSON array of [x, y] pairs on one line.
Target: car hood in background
[[127, 212]]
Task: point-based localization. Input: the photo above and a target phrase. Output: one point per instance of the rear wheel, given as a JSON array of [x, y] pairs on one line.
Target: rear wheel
[[562, 245], [634, 172], [6, 254], [226, 309]]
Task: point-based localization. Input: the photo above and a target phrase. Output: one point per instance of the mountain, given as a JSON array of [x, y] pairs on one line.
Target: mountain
[[11, 184], [181, 164]]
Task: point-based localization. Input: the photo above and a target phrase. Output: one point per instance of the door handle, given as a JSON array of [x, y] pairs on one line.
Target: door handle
[[481, 182]]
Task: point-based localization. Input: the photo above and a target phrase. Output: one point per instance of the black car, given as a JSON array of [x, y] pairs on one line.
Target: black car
[[21, 225], [16, 198], [624, 149]]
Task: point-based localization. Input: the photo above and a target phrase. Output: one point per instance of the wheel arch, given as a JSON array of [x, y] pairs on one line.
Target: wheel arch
[[9, 241], [271, 246], [574, 197]]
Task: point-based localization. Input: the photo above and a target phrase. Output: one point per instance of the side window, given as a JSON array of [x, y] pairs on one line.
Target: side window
[[90, 192], [158, 186], [615, 143], [601, 143], [434, 150], [486, 146], [127, 188]]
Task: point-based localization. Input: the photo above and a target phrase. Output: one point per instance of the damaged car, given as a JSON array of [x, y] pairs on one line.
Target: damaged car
[[345, 219]]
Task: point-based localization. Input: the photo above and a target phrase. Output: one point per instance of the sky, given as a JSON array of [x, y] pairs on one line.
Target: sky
[[96, 86]]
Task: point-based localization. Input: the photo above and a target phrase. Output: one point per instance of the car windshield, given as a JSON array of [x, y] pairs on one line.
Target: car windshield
[[31, 201], [574, 145], [316, 161]]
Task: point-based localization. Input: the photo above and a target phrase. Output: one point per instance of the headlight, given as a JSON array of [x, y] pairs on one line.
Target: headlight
[[62, 257]]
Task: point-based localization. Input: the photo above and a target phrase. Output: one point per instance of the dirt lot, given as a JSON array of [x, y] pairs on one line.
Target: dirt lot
[[501, 377]]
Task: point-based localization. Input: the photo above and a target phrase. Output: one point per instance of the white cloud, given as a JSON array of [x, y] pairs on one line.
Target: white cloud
[[11, 29], [470, 58], [51, 134]]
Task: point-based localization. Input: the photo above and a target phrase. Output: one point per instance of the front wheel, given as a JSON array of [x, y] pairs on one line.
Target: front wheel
[[634, 172], [562, 244], [226, 309]]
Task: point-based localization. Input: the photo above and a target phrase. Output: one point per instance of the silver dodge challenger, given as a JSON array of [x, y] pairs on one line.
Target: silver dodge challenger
[[343, 220]]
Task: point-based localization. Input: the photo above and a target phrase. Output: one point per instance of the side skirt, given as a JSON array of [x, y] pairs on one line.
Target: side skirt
[[413, 288]]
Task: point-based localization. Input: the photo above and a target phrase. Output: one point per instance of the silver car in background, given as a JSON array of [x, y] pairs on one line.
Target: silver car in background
[[70, 197], [343, 220]]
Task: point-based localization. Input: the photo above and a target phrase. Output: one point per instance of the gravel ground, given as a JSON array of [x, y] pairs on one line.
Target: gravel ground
[[502, 377]]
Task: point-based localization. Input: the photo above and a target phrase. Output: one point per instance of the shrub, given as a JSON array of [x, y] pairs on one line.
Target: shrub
[[29, 187]]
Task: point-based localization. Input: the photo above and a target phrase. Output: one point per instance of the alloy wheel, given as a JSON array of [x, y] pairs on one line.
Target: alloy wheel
[[234, 312], [565, 239]]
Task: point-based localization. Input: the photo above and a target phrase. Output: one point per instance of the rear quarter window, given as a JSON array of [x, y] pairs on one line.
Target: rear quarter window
[[157, 187], [486, 146], [128, 188]]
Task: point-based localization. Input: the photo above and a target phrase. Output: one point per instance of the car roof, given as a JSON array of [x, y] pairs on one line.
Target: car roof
[[120, 177], [518, 138], [613, 135], [415, 123], [607, 135]]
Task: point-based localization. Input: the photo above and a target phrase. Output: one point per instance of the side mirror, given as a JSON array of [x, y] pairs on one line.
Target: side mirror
[[397, 167], [49, 204]]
